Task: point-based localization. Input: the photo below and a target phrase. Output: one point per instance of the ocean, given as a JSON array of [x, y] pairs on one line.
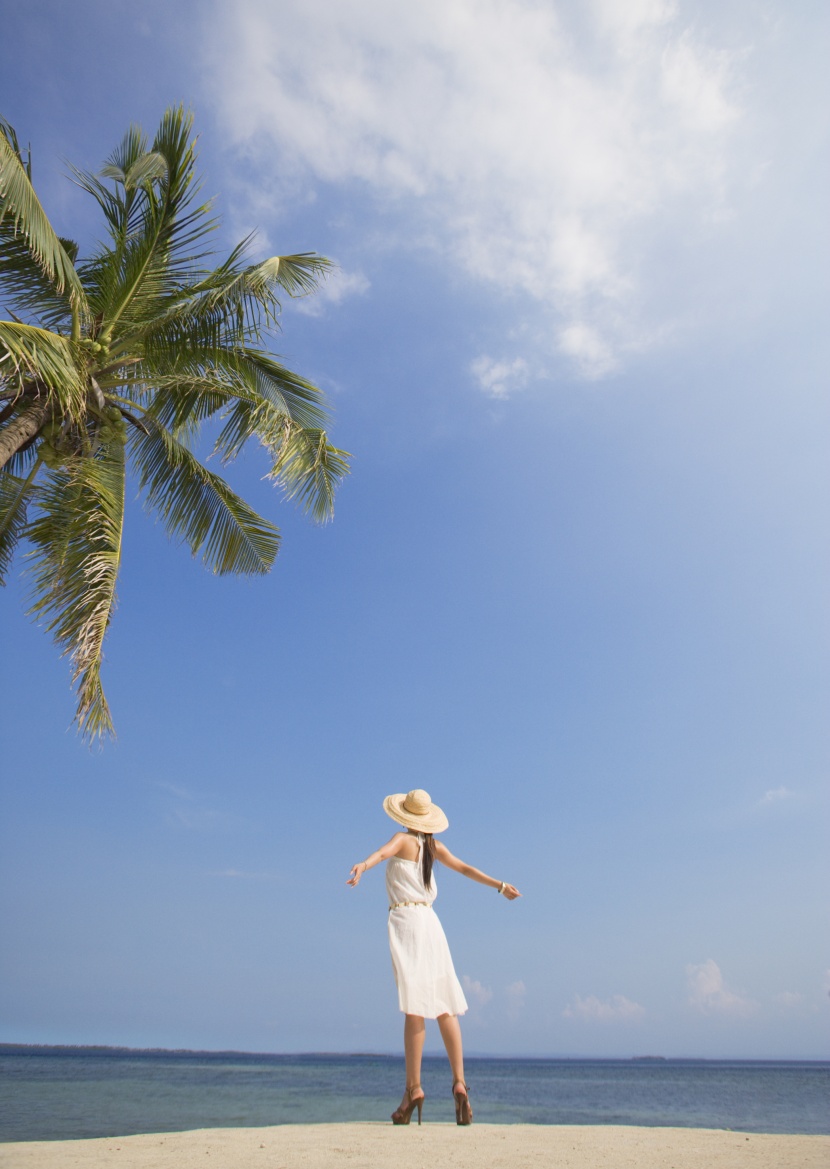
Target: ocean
[[65, 1093]]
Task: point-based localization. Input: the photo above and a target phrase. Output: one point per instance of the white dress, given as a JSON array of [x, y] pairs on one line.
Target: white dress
[[424, 973]]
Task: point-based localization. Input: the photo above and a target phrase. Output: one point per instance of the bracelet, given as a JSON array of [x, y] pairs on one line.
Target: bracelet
[[502, 886]]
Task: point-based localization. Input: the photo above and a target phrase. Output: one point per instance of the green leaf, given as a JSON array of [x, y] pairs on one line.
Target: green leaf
[[21, 210], [200, 508], [15, 495], [229, 307], [310, 471], [25, 285], [299, 275], [76, 542], [39, 356]]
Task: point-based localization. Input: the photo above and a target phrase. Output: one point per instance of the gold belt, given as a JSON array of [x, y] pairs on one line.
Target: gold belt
[[400, 904]]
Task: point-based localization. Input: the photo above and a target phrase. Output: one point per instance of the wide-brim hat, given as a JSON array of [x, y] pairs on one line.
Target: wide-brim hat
[[416, 810]]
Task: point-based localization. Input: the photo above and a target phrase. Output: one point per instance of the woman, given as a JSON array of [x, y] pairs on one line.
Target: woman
[[427, 984]]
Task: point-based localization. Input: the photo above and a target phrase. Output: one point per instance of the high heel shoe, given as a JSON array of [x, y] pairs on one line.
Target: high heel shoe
[[403, 1115], [463, 1107]]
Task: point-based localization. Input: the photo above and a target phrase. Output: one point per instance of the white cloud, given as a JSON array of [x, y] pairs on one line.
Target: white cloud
[[188, 809], [516, 993], [194, 818], [239, 874], [473, 989], [709, 994], [789, 998], [695, 81], [776, 795], [535, 153], [336, 287], [617, 1008], [181, 793], [586, 347], [499, 379]]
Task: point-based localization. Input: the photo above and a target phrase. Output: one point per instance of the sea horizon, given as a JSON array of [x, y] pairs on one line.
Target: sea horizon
[[11, 1048]]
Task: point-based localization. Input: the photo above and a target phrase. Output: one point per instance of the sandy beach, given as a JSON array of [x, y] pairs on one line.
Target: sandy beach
[[376, 1146]]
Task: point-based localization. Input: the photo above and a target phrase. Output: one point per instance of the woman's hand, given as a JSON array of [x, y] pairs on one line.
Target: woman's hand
[[357, 872], [510, 892]]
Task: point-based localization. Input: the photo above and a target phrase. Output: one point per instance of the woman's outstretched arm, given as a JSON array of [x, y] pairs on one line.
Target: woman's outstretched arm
[[444, 855], [391, 848]]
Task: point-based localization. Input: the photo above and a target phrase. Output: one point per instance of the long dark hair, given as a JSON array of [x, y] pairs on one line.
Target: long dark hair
[[427, 858]]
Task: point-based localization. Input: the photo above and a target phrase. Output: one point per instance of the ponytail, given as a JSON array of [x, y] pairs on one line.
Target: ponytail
[[427, 858]]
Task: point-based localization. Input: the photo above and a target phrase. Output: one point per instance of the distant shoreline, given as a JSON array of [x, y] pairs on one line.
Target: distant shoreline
[[227, 1053]]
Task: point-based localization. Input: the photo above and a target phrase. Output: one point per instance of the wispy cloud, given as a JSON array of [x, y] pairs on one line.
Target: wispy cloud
[[189, 809], [499, 379], [535, 152], [337, 287], [776, 795], [590, 352], [477, 993], [789, 999], [239, 874], [173, 789], [516, 993], [709, 994], [617, 1008]]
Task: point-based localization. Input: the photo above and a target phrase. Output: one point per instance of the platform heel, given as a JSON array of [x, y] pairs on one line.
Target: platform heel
[[463, 1107], [403, 1115]]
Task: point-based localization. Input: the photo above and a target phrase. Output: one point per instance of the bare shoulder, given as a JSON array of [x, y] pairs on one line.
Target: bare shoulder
[[394, 846], [408, 847]]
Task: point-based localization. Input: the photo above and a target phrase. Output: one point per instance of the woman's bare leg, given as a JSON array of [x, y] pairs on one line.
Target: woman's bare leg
[[414, 1033], [451, 1034]]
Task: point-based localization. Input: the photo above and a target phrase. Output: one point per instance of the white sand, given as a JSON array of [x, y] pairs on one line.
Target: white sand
[[433, 1146]]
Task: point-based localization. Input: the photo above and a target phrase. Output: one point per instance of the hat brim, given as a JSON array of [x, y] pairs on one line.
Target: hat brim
[[432, 821]]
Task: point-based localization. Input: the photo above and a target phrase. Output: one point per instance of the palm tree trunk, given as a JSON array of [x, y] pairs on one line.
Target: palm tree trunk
[[22, 429]]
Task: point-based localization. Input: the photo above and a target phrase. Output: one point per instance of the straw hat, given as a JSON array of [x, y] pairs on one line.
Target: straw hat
[[416, 810]]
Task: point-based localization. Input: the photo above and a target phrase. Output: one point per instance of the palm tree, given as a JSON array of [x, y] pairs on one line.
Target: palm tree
[[128, 353]]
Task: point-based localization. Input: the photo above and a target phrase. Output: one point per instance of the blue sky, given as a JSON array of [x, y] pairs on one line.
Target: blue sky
[[576, 584]]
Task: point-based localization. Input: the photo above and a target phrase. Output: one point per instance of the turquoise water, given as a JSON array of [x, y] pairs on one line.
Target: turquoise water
[[48, 1094]]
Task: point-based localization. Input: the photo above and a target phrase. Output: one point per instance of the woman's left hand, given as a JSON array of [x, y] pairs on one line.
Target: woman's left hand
[[510, 892]]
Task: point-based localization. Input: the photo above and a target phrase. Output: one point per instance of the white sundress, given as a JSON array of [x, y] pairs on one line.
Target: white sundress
[[424, 973]]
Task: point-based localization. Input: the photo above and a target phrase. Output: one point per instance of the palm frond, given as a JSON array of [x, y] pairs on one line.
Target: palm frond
[[181, 404], [298, 275], [199, 507], [15, 495], [157, 229], [21, 209], [26, 288], [50, 361], [21, 461], [250, 373], [228, 307], [76, 552], [310, 470], [302, 401]]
